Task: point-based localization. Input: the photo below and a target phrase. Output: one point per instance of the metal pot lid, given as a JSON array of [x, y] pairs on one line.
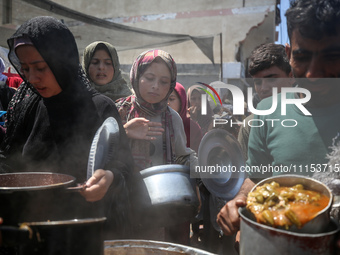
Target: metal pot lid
[[220, 161], [103, 145]]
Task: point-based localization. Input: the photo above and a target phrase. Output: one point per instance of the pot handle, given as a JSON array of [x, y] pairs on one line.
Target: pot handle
[[79, 187], [12, 236]]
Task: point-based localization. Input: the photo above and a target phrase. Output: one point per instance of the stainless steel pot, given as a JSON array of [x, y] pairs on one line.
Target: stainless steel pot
[[314, 238], [164, 195], [258, 239]]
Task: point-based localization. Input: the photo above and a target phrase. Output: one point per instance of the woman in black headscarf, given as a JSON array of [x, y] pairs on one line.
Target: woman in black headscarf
[[55, 114]]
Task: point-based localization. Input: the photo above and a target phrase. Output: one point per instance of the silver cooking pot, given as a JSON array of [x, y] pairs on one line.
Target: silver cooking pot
[[315, 237], [258, 239], [164, 195]]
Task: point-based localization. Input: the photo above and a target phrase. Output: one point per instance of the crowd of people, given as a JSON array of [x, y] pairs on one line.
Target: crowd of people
[[54, 114]]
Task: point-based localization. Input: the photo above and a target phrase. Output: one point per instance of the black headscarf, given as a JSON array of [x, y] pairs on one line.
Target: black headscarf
[[49, 129]]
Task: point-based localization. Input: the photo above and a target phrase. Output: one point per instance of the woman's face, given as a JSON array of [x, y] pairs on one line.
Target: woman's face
[[155, 82], [174, 102], [195, 99], [37, 72], [101, 69]]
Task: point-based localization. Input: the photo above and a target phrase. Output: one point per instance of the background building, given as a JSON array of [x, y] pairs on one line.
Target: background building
[[209, 39]]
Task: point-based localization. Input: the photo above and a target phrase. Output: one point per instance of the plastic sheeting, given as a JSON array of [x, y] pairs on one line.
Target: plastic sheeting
[[126, 37]]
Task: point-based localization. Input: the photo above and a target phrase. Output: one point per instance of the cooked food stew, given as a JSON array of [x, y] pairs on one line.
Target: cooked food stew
[[285, 206]]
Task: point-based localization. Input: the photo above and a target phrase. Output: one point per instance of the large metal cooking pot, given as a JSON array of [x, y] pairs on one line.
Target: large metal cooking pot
[[69, 237], [145, 247], [321, 221], [315, 237], [33, 196], [164, 195], [258, 239]]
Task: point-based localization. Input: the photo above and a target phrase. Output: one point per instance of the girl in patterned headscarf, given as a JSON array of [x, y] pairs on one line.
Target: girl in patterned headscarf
[[156, 130]]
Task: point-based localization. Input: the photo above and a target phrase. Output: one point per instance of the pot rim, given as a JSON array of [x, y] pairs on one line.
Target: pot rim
[[322, 218], [170, 168], [306, 178], [154, 245], [65, 222], [245, 218], [70, 179]]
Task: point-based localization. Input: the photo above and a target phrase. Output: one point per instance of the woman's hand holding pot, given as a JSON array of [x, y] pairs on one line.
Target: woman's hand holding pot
[[97, 185]]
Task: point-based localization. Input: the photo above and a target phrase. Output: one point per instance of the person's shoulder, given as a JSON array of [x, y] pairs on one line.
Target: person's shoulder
[[101, 98], [249, 117], [174, 114], [176, 118], [267, 102], [103, 103]]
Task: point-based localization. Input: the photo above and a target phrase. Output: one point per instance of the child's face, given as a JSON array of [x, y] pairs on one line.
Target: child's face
[[101, 69], [174, 102], [195, 99], [155, 82]]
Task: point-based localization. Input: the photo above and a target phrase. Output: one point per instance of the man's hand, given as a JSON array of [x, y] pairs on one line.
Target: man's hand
[[228, 218]]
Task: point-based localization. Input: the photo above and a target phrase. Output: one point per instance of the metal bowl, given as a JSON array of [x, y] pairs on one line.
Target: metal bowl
[[322, 220]]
